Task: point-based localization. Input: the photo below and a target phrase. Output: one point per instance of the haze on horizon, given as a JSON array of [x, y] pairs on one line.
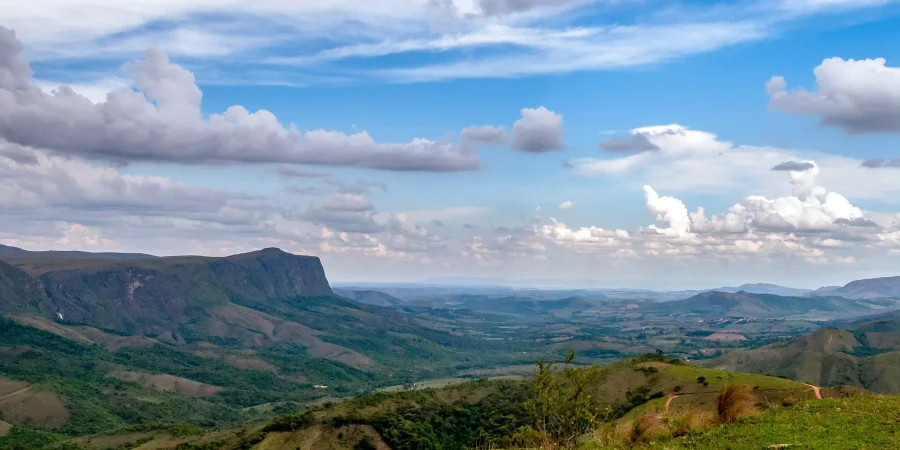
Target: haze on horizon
[[580, 143]]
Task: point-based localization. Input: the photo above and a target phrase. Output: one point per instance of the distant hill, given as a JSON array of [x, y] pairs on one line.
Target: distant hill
[[7, 252], [865, 289], [712, 305], [764, 288], [867, 356], [369, 297]]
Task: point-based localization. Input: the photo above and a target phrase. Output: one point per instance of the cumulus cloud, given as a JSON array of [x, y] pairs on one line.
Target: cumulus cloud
[[668, 209], [881, 163], [18, 154], [699, 161], [487, 134], [636, 143], [858, 96], [568, 204], [794, 166], [162, 121], [538, 131]]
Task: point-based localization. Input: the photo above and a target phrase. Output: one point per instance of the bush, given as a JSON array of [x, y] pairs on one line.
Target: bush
[[649, 428], [184, 429], [366, 443], [701, 380], [291, 422], [734, 402], [562, 408]]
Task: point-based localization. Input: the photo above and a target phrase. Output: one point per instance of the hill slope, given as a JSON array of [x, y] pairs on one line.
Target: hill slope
[[480, 413], [866, 289], [712, 305], [827, 357]]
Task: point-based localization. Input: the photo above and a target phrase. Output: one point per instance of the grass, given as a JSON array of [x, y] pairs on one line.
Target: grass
[[849, 423]]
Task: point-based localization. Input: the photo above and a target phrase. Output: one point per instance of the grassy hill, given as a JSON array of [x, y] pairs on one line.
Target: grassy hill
[[827, 357], [855, 423], [467, 415]]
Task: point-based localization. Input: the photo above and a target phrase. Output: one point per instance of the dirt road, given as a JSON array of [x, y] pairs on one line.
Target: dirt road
[[817, 390]]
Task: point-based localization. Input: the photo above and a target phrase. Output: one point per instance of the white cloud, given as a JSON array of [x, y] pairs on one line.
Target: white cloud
[[163, 122], [538, 131], [857, 96], [568, 204], [698, 161]]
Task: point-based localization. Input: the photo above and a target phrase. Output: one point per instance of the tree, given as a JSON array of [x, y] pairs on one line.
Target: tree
[[561, 406]]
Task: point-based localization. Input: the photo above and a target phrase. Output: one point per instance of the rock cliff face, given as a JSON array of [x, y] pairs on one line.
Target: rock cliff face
[[138, 295]]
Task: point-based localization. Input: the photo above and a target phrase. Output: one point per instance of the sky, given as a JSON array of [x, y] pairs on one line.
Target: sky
[[583, 143]]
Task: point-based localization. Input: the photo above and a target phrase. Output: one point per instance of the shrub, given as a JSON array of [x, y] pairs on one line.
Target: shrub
[[734, 402], [648, 428], [701, 380], [184, 429], [561, 406], [789, 400], [366, 443], [291, 422]]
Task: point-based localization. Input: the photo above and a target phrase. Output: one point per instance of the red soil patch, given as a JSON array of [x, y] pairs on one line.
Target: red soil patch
[[733, 337]]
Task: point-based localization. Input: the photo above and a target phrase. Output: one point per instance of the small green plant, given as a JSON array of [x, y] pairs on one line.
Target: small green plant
[[562, 409]]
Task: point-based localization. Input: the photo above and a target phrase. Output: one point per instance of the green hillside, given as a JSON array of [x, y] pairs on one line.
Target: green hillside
[[827, 357], [477, 413], [839, 423]]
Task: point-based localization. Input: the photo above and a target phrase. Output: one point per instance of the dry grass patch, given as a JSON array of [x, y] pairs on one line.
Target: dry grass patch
[[691, 421], [734, 402], [20, 404], [169, 383], [4, 428]]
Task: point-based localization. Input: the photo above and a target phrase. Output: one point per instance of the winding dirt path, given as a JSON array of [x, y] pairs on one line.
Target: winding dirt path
[[669, 402], [817, 390]]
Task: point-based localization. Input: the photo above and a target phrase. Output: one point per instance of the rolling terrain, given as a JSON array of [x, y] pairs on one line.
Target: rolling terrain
[[486, 413], [865, 355], [714, 305]]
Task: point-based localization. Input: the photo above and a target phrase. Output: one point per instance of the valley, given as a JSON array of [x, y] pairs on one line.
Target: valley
[[104, 349]]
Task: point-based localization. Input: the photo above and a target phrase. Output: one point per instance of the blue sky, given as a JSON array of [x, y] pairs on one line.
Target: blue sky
[[605, 125]]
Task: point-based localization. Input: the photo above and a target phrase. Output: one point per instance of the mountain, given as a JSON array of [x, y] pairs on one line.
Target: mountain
[[7, 253], [159, 294], [369, 297], [867, 356], [713, 305], [865, 289], [764, 288]]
